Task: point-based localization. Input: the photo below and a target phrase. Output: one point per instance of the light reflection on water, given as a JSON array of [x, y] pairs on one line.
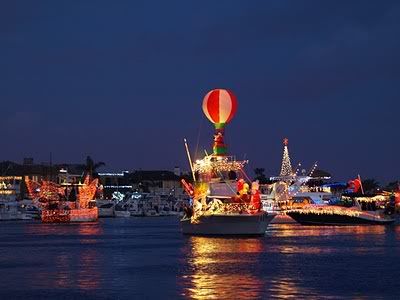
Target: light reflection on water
[[80, 271], [149, 258], [291, 262], [211, 261]]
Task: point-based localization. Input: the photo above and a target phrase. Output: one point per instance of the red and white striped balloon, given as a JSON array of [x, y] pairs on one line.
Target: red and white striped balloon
[[219, 106]]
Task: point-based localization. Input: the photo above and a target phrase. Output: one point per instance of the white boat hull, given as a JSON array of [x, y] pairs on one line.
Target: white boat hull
[[106, 212], [232, 224], [14, 216], [122, 214]]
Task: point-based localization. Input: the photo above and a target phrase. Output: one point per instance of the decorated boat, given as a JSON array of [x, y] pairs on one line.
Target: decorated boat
[[65, 203], [352, 209], [223, 202]]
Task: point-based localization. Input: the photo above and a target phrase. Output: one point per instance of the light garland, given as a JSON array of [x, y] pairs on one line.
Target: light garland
[[49, 191], [327, 210], [377, 198], [217, 207], [286, 168], [33, 188], [219, 164], [87, 192]]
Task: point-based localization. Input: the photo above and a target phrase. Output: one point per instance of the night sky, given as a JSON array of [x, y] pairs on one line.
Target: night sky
[[123, 81]]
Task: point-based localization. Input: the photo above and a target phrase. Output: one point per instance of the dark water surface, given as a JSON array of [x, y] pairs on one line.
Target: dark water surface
[[137, 258]]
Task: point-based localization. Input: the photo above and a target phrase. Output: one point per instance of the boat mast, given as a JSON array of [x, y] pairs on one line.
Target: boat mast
[[190, 160]]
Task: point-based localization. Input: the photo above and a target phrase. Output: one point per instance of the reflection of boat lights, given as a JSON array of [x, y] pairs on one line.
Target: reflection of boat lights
[[209, 256]]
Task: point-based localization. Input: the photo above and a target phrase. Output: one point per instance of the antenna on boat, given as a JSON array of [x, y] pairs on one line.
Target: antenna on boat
[[362, 189], [190, 160]]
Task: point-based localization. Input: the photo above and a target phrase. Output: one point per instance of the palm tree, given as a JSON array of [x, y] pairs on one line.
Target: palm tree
[[260, 176], [392, 186], [91, 167], [370, 185]]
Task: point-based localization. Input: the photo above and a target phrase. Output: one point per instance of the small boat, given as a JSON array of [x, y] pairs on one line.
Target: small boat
[[352, 209], [65, 203], [10, 208], [32, 212], [121, 211], [151, 213], [9, 211], [106, 208]]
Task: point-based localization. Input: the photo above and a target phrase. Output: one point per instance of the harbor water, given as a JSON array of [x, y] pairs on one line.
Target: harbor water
[[148, 258]]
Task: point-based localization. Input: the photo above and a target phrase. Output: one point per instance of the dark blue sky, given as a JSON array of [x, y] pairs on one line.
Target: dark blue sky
[[123, 81]]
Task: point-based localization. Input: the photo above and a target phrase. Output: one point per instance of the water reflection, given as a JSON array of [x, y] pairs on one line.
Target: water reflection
[[294, 230], [222, 268], [89, 275], [81, 229], [298, 239], [73, 254], [397, 232]]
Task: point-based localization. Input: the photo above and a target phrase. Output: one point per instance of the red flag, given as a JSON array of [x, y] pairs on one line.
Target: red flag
[[355, 185]]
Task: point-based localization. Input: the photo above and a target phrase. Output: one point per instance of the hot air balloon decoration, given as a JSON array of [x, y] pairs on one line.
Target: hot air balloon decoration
[[219, 106]]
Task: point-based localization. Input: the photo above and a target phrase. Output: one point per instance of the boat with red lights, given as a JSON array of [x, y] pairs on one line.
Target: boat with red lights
[[67, 202], [223, 200]]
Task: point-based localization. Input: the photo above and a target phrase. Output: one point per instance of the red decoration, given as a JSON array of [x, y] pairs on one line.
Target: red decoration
[[286, 141], [219, 106], [33, 188], [188, 187], [87, 192], [50, 191], [355, 185]]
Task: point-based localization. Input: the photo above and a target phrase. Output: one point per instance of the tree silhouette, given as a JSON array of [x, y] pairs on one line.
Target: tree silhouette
[[91, 167], [392, 186], [370, 185], [260, 176]]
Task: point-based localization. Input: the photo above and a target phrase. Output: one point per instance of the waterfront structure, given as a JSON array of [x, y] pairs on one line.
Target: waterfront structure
[[161, 182]]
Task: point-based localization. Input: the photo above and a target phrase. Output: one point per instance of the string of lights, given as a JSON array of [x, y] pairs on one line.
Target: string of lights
[[222, 164], [286, 168]]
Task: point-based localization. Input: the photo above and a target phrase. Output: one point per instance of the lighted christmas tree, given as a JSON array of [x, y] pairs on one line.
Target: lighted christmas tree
[[286, 169]]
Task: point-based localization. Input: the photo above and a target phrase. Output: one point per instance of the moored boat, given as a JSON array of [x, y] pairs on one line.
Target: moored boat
[[106, 208]]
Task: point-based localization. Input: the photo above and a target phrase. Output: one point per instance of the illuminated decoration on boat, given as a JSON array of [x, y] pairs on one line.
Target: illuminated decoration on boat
[[219, 106], [327, 210], [219, 164], [216, 192], [87, 191], [286, 168], [344, 211], [217, 207], [50, 191], [33, 188], [377, 198], [64, 216]]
